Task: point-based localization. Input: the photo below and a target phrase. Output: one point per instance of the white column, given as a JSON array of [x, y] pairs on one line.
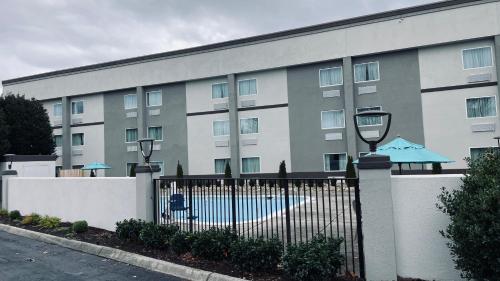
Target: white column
[[145, 202], [377, 217], [4, 204]]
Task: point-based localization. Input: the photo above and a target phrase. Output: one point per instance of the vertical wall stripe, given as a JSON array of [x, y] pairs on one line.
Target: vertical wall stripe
[[349, 107], [141, 118], [234, 126], [66, 133]]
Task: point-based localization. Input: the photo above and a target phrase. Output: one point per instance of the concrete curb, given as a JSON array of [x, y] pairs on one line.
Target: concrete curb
[[173, 269]]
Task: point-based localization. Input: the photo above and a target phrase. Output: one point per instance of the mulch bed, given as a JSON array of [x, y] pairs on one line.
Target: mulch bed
[[107, 238]]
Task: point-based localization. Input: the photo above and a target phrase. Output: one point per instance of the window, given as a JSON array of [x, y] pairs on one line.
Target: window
[[220, 90], [130, 101], [481, 107], [153, 98], [250, 165], [221, 128], [131, 135], [249, 126], [365, 72], [369, 121], [220, 165], [332, 119], [330, 76], [77, 107], [58, 140], [361, 154], [159, 163], [477, 152], [477, 57], [58, 110], [335, 162], [155, 133], [247, 87], [130, 168], [77, 167], [77, 139]]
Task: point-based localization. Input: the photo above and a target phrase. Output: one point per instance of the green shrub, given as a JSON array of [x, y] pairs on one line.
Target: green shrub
[[27, 220], [474, 211], [181, 242], [157, 236], [350, 172], [213, 244], [14, 215], [80, 226], [49, 222], [319, 259], [4, 213], [256, 255], [129, 229], [35, 218]]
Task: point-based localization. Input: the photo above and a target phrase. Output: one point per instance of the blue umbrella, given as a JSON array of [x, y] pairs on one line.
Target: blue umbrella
[[94, 167]]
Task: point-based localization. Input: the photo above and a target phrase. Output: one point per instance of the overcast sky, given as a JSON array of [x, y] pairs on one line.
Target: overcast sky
[[43, 35]]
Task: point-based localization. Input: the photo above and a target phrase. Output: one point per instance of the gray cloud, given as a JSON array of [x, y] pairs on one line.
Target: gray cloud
[[45, 35]]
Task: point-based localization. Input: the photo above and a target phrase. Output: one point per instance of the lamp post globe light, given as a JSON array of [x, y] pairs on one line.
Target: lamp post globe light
[[146, 146], [9, 158], [373, 160]]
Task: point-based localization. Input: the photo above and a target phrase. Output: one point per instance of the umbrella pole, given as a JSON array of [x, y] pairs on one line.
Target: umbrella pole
[[400, 172]]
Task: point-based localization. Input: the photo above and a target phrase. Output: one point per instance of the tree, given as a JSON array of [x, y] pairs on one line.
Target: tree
[[29, 132], [227, 171], [436, 168], [282, 170], [180, 175], [4, 133], [474, 210], [132, 170], [350, 172]]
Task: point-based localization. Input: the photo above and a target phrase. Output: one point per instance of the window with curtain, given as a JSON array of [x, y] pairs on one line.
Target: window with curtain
[[481, 107], [477, 152], [369, 121], [58, 110], [221, 128], [130, 166], [249, 126], [77, 107], [477, 57], [220, 90], [161, 165], [330, 76], [77, 139], [250, 165], [130, 101], [155, 133], [58, 140], [365, 72], [247, 87], [332, 119], [131, 135], [220, 165], [153, 98], [335, 162]]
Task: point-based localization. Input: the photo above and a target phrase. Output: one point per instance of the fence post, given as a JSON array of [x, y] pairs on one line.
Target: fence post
[[287, 211], [190, 208], [359, 230], [145, 192], [378, 221], [4, 187], [233, 203]]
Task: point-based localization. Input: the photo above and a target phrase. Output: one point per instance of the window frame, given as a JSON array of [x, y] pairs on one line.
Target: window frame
[[473, 147], [55, 143], [327, 68], [256, 87], [223, 172], [156, 127], [481, 47], [334, 153], [162, 166], [241, 165], [161, 98], [126, 168], [244, 118], [124, 103], [367, 81], [381, 119], [220, 120], [332, 128], [83, 107], [137, 135], [54, 110], [493, 116], [83, 140], [364, 152], [212, 90]]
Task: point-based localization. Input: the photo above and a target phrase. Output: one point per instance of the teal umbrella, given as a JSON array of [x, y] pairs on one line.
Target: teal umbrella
[[402, 151], [95, 166]]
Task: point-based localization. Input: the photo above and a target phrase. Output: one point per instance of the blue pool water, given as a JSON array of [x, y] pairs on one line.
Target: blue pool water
[[218, 210]]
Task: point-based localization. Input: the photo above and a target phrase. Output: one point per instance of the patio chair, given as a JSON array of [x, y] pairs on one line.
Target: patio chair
[[177, 202]]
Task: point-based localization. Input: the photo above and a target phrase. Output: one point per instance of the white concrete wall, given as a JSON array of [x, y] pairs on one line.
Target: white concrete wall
[[413, 30], [421, 252], [447, 130], [199, 95], [100, 201]]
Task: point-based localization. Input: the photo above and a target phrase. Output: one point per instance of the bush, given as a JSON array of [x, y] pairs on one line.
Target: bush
[[256, 255], [474, 211], [129, 229], [35, 218], [80, 226], [4, 213], [14, 215], [181, 242], [213, 244], [319, 259], [157, 236], [350, 172], [49, 222], [27, 220]]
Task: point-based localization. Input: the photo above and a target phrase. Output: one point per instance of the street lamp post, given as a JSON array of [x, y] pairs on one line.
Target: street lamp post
[[9, 158], [146, 146]]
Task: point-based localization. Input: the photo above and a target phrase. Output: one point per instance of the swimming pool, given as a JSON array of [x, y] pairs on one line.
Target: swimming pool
[[217, 210]]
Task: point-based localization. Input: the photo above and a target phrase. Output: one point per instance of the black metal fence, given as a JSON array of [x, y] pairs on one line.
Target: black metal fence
[[294, 210]]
